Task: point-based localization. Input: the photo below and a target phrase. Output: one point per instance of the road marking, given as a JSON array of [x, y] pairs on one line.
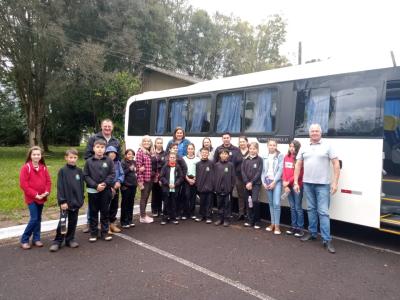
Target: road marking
[[231, 282]]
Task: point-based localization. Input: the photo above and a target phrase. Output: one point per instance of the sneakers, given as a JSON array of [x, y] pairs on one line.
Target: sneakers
[[308, 237], [219, 222], [25, 246], [86, 228], [54, 248], [246, 224], [328, 245], [257, 226], [176, 222], [193, 217], [114, 228], [108, 237], [93, 239], [299, 233], [270, 228], [226, 224], [184, 218], [163, 222], [146, 220], [132, 225], [73, 244], [198, 219], [208, 221], [291, 231], [155, 215], [125, 226]]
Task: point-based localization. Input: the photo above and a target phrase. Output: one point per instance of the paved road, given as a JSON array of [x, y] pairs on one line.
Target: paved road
[[250, 264]]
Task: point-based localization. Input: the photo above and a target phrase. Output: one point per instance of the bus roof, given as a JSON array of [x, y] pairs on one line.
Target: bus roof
[[311, 70]]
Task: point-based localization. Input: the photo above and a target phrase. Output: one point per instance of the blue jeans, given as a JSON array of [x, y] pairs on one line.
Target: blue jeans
[[296, 209], [274, 200], [33, 227], [318, 200]]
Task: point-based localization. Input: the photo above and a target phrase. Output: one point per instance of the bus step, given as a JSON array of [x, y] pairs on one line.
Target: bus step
[[391, 186], [390, 223], [391, 198]]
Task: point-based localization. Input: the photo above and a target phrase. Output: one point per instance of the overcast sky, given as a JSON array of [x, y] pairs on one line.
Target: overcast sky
[[327, 28]]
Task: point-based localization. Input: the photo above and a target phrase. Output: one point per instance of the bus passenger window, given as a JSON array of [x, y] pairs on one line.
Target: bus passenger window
[[312, 107], [199, 114], [356, 112], [139, 118], [229, 112], [178, 114], [160, 121], [260, 112]]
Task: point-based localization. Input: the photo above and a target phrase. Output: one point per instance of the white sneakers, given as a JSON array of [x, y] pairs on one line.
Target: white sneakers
[[146, 219]]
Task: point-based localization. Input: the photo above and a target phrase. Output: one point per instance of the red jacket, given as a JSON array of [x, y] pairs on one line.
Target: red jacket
[[288, 171], [34, 182]]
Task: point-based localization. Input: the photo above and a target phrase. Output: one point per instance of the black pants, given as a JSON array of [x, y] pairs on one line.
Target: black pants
[[72, 217], [99, 202], [170, 205], [189, 199], [253, 213], [205, 205], [224, 206], [180, 201], [114, 207], [156, 198], [128, 199]]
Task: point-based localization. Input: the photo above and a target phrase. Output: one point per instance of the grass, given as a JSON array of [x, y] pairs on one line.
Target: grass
[[12, 203]]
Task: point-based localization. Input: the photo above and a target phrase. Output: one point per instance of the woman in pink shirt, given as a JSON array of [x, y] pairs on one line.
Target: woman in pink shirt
[[35, 182], [295, 199]]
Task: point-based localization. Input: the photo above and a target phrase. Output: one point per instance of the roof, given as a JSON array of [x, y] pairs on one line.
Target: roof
[[180, 76], [312, 70]]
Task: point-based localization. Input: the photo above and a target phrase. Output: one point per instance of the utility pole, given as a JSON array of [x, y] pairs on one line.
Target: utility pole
[[393, 58], [300, 53]]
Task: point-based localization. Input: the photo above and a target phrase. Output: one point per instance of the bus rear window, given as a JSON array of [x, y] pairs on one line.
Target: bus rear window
[[139, 118]]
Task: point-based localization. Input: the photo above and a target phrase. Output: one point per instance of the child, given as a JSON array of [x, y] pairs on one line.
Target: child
[[251, 169], [171, 177], [224, 173], [295, 199], [112, 153], [189, 185], [271, 177], [157, 161], [34, 180], [128, 189], [99, 176], [180, 197], [205, 184], [70, 196]]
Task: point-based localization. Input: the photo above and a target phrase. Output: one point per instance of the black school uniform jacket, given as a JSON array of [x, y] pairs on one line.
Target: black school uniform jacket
[[252, 169], [224, 177], [70, 187], [205, 176], [130, 176], [97, 171], [179, 161], [164, 177]]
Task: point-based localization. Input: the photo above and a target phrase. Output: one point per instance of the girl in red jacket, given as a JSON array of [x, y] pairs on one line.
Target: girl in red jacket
[[295, 199], [34, 180]]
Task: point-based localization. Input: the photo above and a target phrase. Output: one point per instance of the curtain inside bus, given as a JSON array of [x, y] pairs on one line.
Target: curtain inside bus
[[199, 114], [160, 126], [229, 113], [261, 114], [317, 108], [178, 114]]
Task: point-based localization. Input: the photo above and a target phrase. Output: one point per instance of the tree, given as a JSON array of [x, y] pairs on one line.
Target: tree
[[30, 51]]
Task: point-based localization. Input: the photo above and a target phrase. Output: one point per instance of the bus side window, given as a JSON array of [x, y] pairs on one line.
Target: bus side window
[[178, 114], [139, 118]]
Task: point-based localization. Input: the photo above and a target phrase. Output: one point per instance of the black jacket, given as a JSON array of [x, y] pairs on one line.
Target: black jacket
[[112, 142], [179, 161], [130, 175], [157, 162], [70, 188], [205, 176], [252, 169], [224, 177], [164, 177], [234, 153], [97, 171]]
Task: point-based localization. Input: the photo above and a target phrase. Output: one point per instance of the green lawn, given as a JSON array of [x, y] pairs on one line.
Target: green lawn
[[11, 160]]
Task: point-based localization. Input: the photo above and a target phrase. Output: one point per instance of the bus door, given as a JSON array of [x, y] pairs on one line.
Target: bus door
[[390, 200]]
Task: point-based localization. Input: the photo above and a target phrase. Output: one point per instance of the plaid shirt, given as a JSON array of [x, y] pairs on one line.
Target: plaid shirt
[[143, 160]]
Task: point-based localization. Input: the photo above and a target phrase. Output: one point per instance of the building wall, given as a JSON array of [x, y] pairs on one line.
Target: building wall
[[155, 81]]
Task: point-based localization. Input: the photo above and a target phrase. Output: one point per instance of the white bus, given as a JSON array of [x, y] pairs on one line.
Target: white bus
[[358, 108]]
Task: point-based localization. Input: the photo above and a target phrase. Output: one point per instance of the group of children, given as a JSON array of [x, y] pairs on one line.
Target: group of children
[[173, 181]]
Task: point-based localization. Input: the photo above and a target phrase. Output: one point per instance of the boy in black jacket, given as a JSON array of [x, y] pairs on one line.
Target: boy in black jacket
[[252, 168], [205, 185], [70, 196], [171, 178], [224, 179], [128, 189], [99, 177]]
